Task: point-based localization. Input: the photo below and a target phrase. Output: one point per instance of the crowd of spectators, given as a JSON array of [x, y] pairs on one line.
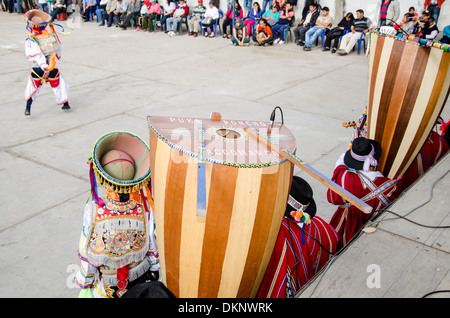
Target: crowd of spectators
[[252, 21]]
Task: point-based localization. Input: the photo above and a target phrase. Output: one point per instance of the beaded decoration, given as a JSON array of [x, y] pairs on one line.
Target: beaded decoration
[[215, 161], [115, 185]]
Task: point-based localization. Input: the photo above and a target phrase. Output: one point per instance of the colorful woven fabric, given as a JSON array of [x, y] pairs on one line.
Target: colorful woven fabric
[[348, 220], [297, 257]]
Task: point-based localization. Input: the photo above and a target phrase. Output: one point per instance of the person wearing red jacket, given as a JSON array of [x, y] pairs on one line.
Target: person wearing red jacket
[[304, 245], [434, 148], [355, 171], [181, 11], [434, 6]]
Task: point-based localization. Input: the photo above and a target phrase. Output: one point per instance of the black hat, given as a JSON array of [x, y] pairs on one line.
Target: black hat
[[363, 151], [301, 195]]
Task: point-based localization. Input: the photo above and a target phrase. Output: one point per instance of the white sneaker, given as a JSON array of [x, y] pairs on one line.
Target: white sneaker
[[276, 41], [171, 33], [281, 42]]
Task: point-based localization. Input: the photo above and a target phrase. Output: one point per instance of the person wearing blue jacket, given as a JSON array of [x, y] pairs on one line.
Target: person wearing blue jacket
[[254, 15]]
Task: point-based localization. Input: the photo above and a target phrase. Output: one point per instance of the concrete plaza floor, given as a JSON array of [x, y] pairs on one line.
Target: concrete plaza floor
[[117, 78]]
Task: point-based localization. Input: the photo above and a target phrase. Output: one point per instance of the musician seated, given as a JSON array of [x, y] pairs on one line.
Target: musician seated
[[305, 243], [356, 172], [434, 148]]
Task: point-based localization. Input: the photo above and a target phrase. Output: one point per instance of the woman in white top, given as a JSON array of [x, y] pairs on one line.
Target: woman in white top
[[211, 15], [169, 8]]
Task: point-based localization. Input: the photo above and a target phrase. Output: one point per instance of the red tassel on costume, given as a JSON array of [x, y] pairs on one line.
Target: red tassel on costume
[[122, 280], [54, 82]]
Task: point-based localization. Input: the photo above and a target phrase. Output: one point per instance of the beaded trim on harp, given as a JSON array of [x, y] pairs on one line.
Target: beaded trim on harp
[[220, 162]]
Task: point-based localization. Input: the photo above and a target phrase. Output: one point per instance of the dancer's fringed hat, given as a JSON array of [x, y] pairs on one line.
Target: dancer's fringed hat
[[121, 162], [37, 19]]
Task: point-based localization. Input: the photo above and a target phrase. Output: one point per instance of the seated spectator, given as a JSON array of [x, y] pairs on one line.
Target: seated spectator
[[332, 38], [169, 8], [87, 5], [132, 14], [109, 12], [149, 11], [446, 35], [263, 34], [254, 15], [304, 25], [197, 16], [211, 16], [286, 18], [412, 11], [239, 37], [323, 24], [429, 30], [361, 25], [121, 11], [306, 4], [272, 16], [181, 11], [406, 27], [100, 11], [421, 23], [239, 14], [58, 7], [142, 14]]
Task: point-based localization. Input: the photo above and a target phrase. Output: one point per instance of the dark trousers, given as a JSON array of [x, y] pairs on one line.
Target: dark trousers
[[56, 11], [10, 6], [127, 19], [147, 22], [110, 18], [333, 37], [299, 33], [210, 25], [163, 21], [226, 22]]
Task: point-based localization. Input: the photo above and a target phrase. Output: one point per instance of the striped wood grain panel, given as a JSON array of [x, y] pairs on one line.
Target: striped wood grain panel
[[224, 254], [408, 86]]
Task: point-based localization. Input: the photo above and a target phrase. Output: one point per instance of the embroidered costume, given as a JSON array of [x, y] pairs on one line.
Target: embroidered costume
[[42, 47], [118, 247], [353, 173], [434, 148], [305, 243]]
